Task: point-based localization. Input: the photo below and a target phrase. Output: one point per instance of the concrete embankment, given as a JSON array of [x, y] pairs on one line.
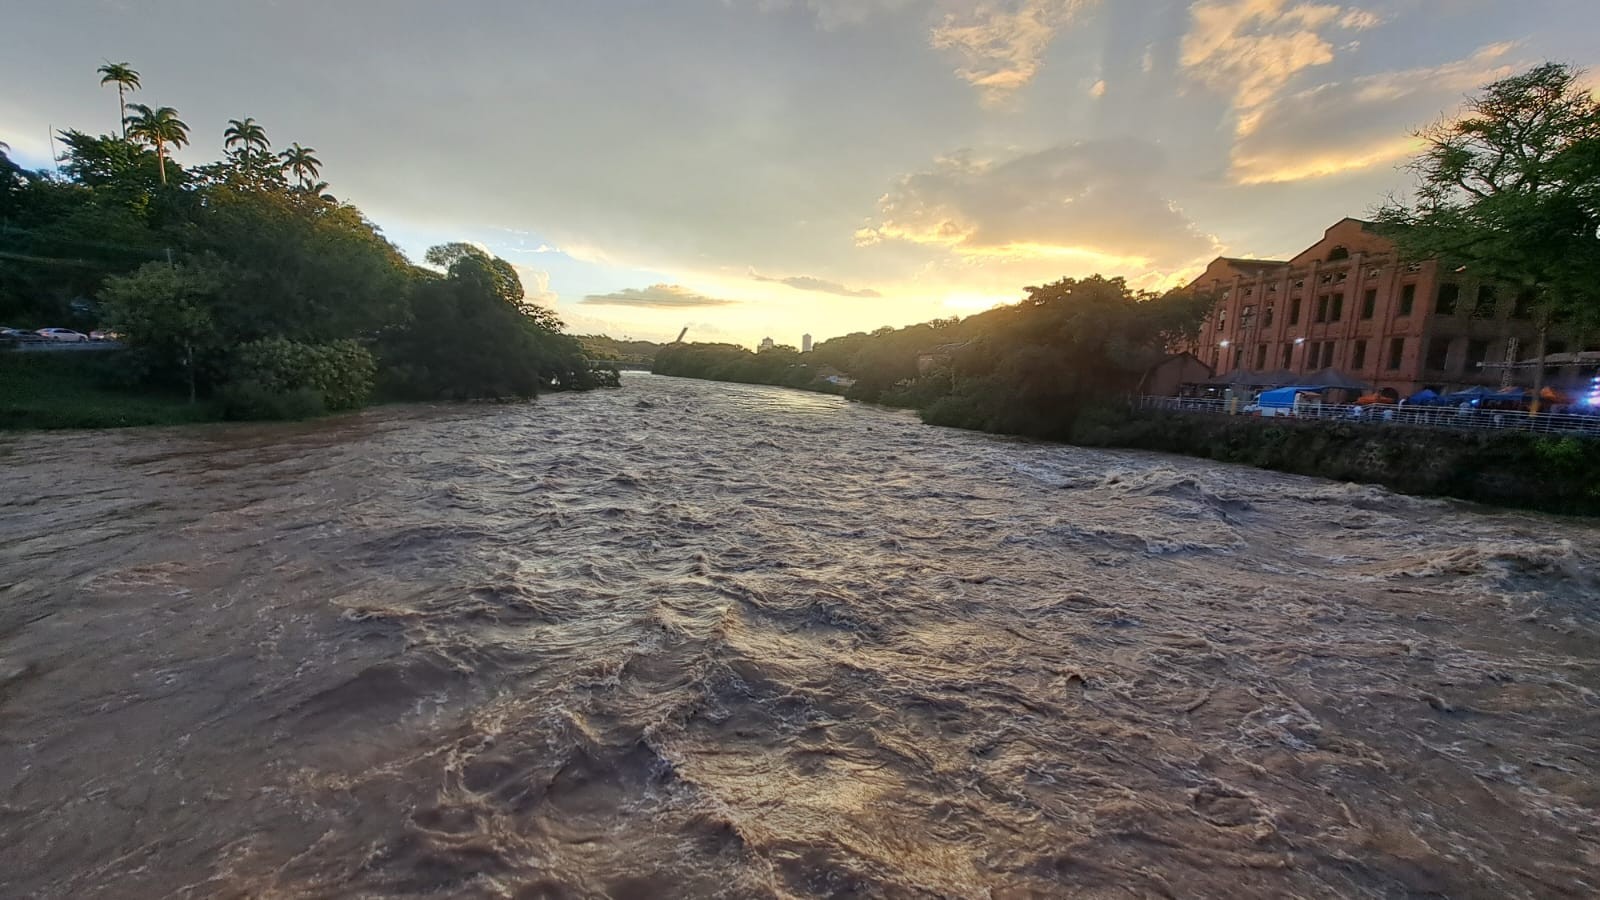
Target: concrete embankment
[[1532, 471]]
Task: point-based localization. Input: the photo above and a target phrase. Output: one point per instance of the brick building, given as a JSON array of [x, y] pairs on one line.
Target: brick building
[[1349, 303]]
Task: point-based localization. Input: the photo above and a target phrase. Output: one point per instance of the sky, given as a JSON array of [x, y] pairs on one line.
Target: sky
[[754, 168]]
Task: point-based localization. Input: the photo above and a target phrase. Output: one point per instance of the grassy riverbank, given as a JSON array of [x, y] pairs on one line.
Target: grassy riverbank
[[71, 390]]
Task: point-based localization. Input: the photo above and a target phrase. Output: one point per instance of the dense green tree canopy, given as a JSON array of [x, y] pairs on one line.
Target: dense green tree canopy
[[212, 273], [1028, 368], [1511, 189]]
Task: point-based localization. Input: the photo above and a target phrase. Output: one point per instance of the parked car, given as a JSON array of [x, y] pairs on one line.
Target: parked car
[[63, 334], [18, 336]]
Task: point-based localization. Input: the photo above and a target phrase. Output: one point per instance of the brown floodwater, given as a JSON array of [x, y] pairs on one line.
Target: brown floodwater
[[694, 639]]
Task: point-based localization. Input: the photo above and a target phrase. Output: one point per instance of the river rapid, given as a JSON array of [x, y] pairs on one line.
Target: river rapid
[[696, 639]]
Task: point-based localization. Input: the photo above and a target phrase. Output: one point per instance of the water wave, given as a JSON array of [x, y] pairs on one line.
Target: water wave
[[688, 639]]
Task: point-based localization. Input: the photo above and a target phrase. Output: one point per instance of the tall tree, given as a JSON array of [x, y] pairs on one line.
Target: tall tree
[[159, 128], [126, 79], [248, 134], [1509, 190], [301, 162]]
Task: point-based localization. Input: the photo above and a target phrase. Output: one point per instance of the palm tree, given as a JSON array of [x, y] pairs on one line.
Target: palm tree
[[248, 133], [126, 79], [158, 128], [299, 160]]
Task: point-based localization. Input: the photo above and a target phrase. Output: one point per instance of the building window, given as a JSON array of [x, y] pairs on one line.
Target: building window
[[1488, 298], [1261, 357], [1222, 318], [1397, 353], [1294, 311], [1337, 254], [1477, 355], [1449, 297], [1288, 354], [1337, 311], [1327, 354], [1238, 356], [1369, 304], [1438, 353], [1523, 309], [1266, 315], [1247, 315], [1358, 356], [1322, 308], [1408, 299]]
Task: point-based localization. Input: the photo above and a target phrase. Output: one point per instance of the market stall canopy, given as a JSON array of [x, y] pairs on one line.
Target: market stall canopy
[[1333, 378], [1423, 397], [1471, 393], [1247, 378], [1283, 398]]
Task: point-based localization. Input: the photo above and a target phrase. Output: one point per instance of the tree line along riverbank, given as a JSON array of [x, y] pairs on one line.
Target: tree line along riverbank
[[1055, 366], [243, 289]]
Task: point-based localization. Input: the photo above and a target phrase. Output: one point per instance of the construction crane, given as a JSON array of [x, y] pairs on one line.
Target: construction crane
[[681, 334]]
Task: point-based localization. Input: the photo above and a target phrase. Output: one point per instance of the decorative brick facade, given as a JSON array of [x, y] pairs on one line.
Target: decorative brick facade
[[1349, 303]]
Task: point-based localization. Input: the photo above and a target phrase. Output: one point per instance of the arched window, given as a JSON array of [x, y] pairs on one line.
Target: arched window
[[1337, 254]]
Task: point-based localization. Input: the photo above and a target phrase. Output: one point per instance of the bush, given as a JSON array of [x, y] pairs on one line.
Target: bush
[[339, 373], [251, 400]]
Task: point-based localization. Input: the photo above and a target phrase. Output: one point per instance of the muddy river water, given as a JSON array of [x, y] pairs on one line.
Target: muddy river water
[[695, 639]]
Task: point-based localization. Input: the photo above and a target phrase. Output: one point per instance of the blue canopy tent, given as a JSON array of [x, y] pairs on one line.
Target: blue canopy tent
[[1424, 397], [1470, 395], [1283, 398]]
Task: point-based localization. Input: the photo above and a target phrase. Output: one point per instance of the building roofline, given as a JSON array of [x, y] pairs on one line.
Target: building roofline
[[1241, 261]]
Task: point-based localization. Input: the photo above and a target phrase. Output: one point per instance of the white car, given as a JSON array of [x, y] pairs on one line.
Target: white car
[[62, 334]]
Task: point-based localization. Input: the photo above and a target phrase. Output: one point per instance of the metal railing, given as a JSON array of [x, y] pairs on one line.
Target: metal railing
[[1386, 414]]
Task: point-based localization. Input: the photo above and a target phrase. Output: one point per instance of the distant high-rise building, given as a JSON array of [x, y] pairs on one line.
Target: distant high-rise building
[[766, 344], [805, 343]]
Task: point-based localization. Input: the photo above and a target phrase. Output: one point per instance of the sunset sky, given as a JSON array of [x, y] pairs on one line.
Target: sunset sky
[[771, 167]]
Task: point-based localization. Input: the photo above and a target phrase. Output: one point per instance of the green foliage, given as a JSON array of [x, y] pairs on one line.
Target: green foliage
[[298, 266], [340, 373], [227, 279], [160, 128], [110, 163], [471, 337], [1022, 369], [250, 401], [165, 313], [1503, 467], [627, 353], [783, 366], [70, 390], [1512, 190]]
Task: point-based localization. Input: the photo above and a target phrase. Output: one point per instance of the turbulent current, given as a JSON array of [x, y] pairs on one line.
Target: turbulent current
[[693, 639]]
